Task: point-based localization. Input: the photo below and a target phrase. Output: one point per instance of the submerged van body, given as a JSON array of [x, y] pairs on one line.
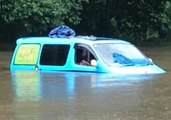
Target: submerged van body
[[86, 54]]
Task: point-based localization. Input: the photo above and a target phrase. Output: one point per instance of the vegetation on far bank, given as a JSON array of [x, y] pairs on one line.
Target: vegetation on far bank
[[140, 21]]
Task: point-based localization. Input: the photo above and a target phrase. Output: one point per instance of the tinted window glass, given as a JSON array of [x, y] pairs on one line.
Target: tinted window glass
[[54, 55]]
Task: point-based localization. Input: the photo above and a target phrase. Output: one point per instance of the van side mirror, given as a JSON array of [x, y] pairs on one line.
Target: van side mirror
[[150, 60], [93, 62]]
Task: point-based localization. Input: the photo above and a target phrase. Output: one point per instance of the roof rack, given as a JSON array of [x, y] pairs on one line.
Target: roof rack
[[94, 38]]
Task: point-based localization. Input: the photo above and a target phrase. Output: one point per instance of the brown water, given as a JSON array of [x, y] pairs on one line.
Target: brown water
[[86, 96]]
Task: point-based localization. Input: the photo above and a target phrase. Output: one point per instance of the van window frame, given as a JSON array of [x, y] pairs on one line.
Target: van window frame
[[45, 63], [85, 46], [36, 56]]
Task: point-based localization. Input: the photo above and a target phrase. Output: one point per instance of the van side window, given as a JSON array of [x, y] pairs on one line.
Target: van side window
[[83, 56], [54, 55], [27, 54]]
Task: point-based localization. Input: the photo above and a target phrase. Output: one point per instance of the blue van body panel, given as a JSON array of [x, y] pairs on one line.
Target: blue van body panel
[[70, 64]]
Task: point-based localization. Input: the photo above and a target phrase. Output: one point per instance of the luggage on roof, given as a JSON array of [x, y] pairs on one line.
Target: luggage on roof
[[62, 31]]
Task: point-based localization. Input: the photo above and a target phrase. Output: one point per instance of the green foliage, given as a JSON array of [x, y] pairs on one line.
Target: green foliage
[[140, 20], [167, 15], [38, 16]]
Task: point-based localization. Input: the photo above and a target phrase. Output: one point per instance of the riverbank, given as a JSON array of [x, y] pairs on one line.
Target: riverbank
[[5, 57], [7, 46]]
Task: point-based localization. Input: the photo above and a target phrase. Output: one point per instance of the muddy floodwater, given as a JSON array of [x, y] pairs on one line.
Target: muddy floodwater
[[30, 95]]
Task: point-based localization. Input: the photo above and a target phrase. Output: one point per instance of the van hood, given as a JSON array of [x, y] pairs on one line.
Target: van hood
[[148, 69]]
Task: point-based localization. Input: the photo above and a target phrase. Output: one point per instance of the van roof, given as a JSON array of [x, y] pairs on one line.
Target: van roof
[[69, 40]]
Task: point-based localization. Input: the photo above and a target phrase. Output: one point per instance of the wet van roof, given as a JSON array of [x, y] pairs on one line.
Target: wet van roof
[[47, 40]]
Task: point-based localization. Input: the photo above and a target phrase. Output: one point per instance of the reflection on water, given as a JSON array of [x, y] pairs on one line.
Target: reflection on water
[[77, 95], [30, 95], [57, 85], [26, 85], [33, 86], [110, 80]]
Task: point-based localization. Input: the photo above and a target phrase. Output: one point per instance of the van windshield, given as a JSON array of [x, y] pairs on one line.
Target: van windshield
[[121, 54]]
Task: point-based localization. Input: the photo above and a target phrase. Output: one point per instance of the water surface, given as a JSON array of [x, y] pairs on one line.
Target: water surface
[[30, 95]]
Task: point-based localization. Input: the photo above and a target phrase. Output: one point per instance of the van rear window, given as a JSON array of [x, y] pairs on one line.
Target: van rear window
[[27, 54], [54, 55]]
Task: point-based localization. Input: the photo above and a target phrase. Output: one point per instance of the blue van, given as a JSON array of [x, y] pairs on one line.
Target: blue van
[[81, 53]]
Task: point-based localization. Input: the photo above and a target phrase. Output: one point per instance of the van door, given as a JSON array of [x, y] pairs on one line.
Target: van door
[[83, 57], [54, 57]]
